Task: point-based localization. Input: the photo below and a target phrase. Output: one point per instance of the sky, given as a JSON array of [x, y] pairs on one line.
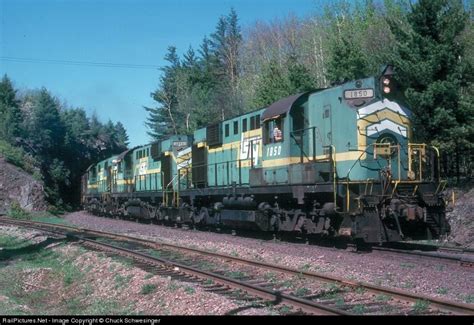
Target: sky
[[61, 45]]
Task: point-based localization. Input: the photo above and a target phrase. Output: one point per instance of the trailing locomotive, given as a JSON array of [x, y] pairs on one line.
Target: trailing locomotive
[[332, 162]]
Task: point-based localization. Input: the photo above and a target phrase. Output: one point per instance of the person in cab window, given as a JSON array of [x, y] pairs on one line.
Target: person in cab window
[[277, 135]]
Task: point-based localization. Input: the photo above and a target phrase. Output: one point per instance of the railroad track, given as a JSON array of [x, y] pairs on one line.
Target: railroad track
[[182, 271], [465, 257], [370, 299]]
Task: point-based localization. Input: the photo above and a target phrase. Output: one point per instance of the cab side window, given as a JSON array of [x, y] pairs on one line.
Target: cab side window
[[273, 131]]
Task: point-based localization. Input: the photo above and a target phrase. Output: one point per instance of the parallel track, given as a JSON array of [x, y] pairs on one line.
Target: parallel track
[[464, 257], [441, 305]]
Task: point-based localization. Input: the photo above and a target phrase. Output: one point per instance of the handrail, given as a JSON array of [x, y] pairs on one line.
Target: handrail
[[334, 172], [166, 190], [227, 163], [302, 132], [357, 160], [437, 162], [292, 134]]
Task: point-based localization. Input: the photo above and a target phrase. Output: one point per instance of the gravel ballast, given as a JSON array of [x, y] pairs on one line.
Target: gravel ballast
[[103, 285], [415, 274]]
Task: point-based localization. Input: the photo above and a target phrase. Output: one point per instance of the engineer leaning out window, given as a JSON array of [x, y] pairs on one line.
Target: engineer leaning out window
[[277, 135]]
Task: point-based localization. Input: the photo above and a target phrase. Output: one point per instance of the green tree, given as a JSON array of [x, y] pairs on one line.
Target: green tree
[[162, 120], [10, 114], [121, 136], [434, 73], [347, 60], [225, 44], [272, 86], [299, 77], [47, 129], [277, 83]]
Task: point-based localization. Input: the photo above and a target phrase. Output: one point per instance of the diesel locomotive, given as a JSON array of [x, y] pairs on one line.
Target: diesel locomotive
[[335, 162]]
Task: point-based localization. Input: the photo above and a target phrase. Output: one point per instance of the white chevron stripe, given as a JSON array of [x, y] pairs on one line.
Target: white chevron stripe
[[386, 125], [380, 105]]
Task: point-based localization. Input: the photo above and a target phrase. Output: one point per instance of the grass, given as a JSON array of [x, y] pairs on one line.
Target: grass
[[359, 309], [38, 297], [107, 307], [301, 292], [17, 212], [360, 290], [61, 290], [173, 286], [8, 242], [408, 285], [49, 218], [442, 291], [189, 290], [208, 282], [421, 306], [330, 295], [148, 288], [206, 266], [469, 299], [154, 253], [125, 261], [291, 282], [121, 281], [340, 302], [331, 286], [304, 267], [271, 277], [285, 309], [383, 298], [236, 274], [71, 274]]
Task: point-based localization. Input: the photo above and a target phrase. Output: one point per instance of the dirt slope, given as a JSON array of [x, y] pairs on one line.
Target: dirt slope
[[461, 219]]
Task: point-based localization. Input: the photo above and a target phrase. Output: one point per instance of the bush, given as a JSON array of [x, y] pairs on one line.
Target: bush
[[17, 212], [18, 157]]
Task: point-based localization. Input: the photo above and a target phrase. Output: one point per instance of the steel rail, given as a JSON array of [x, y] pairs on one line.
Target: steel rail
[[306, 306], [442, 304], [458, 256]]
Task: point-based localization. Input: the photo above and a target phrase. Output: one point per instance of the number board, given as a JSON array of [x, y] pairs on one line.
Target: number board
[[358, 93], [178, 145]]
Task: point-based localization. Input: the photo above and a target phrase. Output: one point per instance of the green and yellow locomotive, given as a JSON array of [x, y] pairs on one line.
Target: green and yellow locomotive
[[333, 162]]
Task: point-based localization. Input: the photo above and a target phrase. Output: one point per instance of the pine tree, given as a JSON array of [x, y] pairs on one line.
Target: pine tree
[[272, 86], [433, 70], [347, 61], [10, 114], [299, 78], [162, 120], [225, 44], [121, 136], [47, 128]]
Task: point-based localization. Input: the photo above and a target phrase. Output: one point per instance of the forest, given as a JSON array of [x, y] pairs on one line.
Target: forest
[[54, 142], [241, 68]]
